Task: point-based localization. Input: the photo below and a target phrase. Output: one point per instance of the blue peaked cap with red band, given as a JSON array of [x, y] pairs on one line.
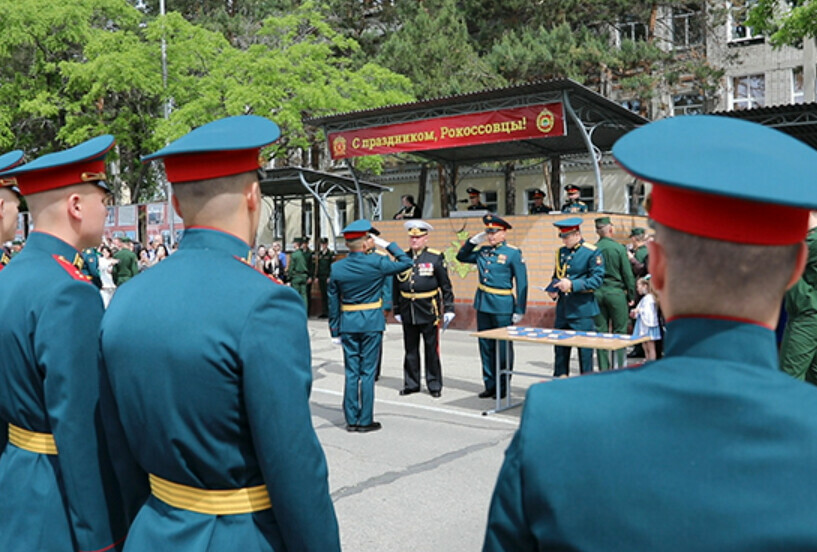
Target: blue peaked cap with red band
[[7, 162], [723, 178], [358, 229], [220, 148], [84, 163]]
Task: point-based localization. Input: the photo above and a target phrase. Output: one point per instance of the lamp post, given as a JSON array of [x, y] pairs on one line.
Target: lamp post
[[166, 108]]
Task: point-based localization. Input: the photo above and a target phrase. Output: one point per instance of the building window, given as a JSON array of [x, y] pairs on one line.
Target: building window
[[342, 214], [632, 105], [529, 199], [630, 28], [636, 194], [687, 27], [687, 104], [737, 15], [798, 95], [747, 92], [491, 201]]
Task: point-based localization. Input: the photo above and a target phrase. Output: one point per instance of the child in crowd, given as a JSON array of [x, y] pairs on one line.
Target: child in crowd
[[646, 317]]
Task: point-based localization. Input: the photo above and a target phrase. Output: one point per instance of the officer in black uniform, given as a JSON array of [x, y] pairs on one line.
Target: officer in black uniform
[[423, 297], [475, 203], [539, 207]]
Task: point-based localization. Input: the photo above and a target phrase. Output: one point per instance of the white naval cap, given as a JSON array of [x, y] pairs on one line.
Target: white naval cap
[[417, 227]]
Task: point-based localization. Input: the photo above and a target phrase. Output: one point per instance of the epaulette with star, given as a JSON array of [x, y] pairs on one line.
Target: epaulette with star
[[72, 269], [435, 251], [247, 263], [512, 246], [589, 246]]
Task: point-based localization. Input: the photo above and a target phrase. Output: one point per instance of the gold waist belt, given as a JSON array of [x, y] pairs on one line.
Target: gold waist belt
[[420, 295], [495, 291], [41, 443], [211, 502], [362, 306]]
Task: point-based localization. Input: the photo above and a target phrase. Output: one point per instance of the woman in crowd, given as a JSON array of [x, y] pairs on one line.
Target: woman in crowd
[[106, 263]]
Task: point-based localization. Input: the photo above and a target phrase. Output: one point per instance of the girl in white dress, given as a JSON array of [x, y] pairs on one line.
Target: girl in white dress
[[646, 317]]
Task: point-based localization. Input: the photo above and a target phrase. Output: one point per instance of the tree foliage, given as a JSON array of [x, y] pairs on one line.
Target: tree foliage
[[784, 24], [432, 47], [89, 67]]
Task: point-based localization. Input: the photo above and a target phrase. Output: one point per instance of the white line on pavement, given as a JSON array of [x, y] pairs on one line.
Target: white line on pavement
[[492, 417]]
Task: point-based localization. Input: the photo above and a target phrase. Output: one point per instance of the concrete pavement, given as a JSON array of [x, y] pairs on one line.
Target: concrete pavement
[[423, 482]]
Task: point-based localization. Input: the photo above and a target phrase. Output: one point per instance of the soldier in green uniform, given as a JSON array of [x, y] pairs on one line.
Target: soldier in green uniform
[[617, 290], [709, 448], [578, 273], [798, 349], [424, 299], [300, 276], [499, 265], [9, 209], [322, 269], [638, 252], [573, 203], [356, 316], [128, 265]]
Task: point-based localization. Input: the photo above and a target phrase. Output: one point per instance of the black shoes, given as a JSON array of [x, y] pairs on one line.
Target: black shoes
[[491, 394], [406, 391], [436, 393], [374, 426]]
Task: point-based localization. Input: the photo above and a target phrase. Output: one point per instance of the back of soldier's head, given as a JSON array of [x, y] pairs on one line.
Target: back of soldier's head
[[725, 232]]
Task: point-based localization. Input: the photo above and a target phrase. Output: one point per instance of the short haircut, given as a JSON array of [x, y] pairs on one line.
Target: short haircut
[[356, 244], [716, 273], [205, 189]]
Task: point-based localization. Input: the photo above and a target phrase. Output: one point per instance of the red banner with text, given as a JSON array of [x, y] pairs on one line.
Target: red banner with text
[[485, 127]]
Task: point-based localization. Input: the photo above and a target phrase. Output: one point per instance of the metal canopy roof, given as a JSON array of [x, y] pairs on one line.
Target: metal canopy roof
[[797, 120], [602, 120], [295, 182]]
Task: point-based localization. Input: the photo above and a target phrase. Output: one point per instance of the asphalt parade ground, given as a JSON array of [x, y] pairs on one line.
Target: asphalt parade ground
[[424, 481]]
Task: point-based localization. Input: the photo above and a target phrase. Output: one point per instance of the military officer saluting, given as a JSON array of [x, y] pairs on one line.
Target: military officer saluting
[[9, 209], [573, 203], [499, 266], [474, 203], [57, 482], [578, 273], [423, 299], [356, 319], [539, 207], [216, 409]]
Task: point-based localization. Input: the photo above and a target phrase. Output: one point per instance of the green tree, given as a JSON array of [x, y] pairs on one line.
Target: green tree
[[784, 24], [433, 49], [37, 38]]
